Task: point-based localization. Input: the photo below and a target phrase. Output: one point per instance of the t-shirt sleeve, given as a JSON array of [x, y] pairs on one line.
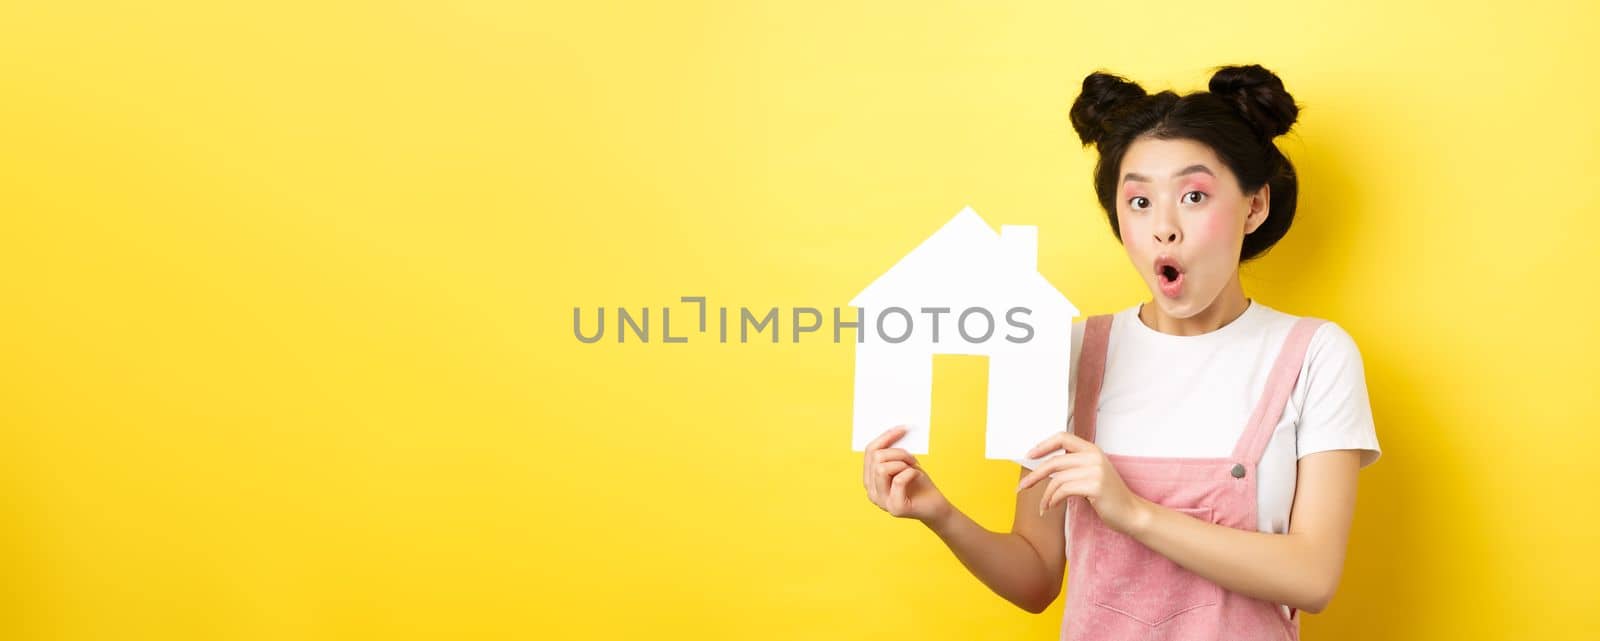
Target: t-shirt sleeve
[[1335, 413], [1072, 388]]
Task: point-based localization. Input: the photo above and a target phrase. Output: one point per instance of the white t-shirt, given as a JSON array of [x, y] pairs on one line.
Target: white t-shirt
[[1190, 396]]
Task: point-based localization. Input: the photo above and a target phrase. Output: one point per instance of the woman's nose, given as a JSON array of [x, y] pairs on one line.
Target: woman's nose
[[1166, 231]]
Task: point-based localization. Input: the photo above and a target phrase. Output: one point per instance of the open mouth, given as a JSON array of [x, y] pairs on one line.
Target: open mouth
[[1169, 276]]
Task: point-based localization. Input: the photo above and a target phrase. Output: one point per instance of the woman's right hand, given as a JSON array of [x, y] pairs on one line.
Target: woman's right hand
[[897, 484]]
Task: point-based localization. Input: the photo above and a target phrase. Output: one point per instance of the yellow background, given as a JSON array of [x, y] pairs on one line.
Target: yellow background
[[287, 295]]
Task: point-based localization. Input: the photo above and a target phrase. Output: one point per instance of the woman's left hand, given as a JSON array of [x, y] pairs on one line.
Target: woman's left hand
[[1084, 471]]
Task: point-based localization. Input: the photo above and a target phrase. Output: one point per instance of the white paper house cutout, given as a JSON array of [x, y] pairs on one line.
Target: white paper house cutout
[[965, 265]]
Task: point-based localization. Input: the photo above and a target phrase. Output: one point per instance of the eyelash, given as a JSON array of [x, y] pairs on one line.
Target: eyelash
[[1130, 200]]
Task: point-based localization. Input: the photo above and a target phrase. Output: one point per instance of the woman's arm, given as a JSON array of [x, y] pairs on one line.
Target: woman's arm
[[1300, 569], [1024, 566]]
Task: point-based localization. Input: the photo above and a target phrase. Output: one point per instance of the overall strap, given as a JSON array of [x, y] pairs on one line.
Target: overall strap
[[1275, 395], [1091, 373]]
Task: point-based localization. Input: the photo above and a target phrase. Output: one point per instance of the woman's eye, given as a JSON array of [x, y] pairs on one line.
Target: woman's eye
[[1193, 193], [1139, 202]]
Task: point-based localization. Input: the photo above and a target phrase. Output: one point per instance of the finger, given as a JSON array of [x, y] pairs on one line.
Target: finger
[[1059, 479], [897, 454], [1052, 466], [1059, 496], [1047, 468], [869, 461], [888, 436], [897, 490], [885, 476], [877, 458], [1046, 446], [881, 475], [1060, 441], [875, 487], [1074, 443]]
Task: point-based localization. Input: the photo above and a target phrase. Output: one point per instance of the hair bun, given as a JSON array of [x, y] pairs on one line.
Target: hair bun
[[1259, 96], [1103, 94]]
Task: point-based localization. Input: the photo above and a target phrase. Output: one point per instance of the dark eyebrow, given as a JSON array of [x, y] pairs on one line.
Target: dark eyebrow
[[1191, 169]]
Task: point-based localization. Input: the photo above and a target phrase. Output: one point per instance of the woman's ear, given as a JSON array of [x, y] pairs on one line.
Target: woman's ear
[[1259, 205]]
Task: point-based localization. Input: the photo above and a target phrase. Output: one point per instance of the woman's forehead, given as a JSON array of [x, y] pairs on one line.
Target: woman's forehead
[[1162, 160]]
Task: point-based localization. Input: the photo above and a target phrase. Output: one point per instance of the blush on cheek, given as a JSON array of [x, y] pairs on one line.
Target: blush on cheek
[[1217, 225], [1213, 235]]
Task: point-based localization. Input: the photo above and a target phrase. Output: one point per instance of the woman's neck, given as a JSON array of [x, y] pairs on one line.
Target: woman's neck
[[1229, 305]]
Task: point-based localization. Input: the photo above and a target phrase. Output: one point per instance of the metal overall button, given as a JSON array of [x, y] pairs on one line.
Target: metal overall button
[[1238, 470]]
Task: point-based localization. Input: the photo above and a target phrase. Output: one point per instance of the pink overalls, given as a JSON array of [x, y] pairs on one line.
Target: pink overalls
[[1120, 590]]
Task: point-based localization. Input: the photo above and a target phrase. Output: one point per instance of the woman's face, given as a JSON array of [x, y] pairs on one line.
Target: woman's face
[[1183, 220]]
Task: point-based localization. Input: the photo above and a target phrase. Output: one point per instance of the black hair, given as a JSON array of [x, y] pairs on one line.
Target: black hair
[[1244, 110]]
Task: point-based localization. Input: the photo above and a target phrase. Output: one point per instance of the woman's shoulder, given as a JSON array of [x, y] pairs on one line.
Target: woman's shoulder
[[1328, 339], [1331, 396], [1332, 360]]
